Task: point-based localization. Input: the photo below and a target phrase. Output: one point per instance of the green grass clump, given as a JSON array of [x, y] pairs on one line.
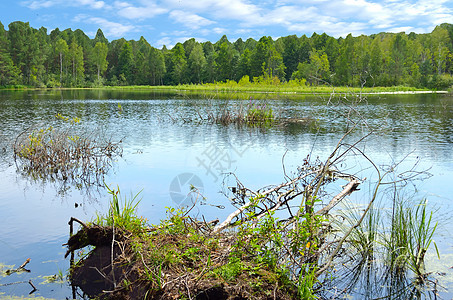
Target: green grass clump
[[122, 213], [389, 250], [409, 237]]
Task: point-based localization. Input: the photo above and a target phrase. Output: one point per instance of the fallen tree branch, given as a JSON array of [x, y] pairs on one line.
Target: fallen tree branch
[[347, 190], [228, 220]]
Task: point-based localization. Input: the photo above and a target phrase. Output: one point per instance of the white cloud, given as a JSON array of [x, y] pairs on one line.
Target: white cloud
[[287, 15], [219, 30], [236, 9], [147, 11], [406, 29], [179, 32], [92, 3], [38, 4], [164, 41], [339, 29], [204, 31], [213, 18], [243, 31], [200, 5], [189, 20], [339, 18], [219, 9], [110, 29]]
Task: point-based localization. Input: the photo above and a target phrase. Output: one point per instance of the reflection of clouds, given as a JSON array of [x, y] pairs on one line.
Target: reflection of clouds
[[32, 213]]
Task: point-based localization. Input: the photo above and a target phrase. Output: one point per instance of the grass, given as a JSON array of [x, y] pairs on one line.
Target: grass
[[231, 86], [122, 212], [385, 255], [282, 88], [410, 236]]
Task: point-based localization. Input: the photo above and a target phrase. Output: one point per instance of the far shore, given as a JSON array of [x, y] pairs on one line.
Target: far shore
[[226, 88], [407, 92]]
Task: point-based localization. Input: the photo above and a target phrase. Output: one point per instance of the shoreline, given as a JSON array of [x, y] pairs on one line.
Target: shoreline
[[321, 90], [406, 92]]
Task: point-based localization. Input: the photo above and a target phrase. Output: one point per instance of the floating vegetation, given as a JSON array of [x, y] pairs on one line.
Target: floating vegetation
[[19, 270], [5, 270], [66, 153], [253, 114]]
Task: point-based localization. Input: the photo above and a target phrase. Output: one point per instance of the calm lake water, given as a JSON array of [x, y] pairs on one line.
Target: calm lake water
[[161, 146]]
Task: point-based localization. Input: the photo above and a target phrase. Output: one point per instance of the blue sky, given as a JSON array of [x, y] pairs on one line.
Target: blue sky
[[171, 21]]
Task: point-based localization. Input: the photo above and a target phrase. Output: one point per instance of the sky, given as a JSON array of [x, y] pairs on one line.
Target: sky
[[167, 22]]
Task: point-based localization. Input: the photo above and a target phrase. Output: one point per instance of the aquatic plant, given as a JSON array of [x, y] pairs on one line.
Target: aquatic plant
[[65, 153], [250, 114], [122, 212], [409, 237], [384, 256]]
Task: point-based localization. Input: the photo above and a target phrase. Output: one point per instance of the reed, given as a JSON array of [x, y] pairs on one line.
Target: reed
[[409, 237]]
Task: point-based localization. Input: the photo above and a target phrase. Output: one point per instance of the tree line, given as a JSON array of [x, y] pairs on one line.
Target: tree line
[[68, 58]]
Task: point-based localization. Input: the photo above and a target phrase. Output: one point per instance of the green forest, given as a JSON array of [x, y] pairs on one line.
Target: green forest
[[35, 58]]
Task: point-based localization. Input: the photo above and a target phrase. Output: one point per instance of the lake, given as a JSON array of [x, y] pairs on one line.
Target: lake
[[166, 147]]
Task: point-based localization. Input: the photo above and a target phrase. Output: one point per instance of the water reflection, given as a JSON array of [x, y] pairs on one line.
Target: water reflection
[[157, 149]]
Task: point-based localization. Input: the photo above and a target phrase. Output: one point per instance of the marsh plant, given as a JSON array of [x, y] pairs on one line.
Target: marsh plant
[[385, 255], [409, 237], [284, 241], [122, 212], [66, 153], [249, 113]]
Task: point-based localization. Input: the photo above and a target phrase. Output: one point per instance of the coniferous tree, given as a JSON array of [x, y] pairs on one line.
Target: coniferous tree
[[211, 65], [77, 63], [24, 50], [34, 57], [225, 61], [291, 54], [178, 64], [157, 66]]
